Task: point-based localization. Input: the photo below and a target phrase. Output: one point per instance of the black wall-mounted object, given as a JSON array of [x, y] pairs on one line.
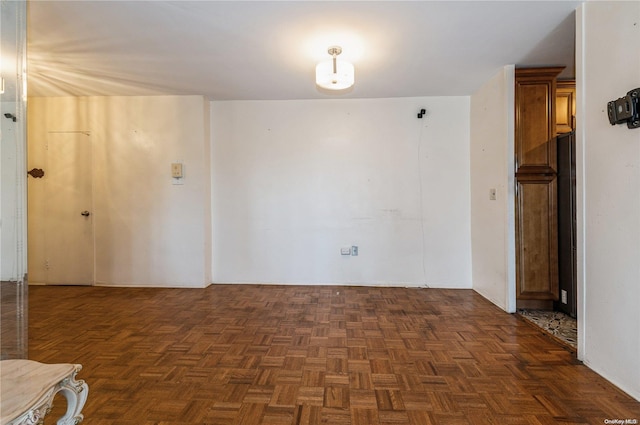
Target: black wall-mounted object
[[625, 109], [11, 117], [422, 113], [36, 173]]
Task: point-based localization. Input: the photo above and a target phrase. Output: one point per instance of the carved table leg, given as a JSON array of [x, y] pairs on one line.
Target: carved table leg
[[76, 393]]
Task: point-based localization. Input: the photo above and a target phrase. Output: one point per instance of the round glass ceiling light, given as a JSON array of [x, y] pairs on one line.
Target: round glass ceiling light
[[334, 74]]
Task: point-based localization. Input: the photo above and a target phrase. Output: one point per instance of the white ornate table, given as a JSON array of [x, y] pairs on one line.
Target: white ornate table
[[27, 389]]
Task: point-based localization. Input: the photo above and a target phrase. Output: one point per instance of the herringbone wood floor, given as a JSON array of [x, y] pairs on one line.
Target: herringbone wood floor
[[248, 354]]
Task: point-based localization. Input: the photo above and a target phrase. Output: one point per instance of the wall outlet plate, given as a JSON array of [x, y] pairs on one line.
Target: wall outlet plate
[[563, 296], [176, 170], [345, 251], [354, 250], [177, 173]]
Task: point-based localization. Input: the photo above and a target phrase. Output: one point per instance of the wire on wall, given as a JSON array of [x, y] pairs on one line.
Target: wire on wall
[[420, 115]]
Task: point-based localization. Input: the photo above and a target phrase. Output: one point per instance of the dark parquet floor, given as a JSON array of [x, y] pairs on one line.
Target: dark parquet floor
[[249, 354]]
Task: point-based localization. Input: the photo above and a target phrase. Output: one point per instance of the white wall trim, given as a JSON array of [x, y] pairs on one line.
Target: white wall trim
[[510, 231], [358, 284], [150, 285], [580, 183], [621, 386], [488, 296]]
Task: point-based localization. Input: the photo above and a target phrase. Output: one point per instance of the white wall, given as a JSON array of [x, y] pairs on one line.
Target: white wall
[[492, 221], [608, 65], [147, 231], [294, 181]]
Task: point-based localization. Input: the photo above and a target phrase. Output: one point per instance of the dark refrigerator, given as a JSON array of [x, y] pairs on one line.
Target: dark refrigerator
[[567, 263]]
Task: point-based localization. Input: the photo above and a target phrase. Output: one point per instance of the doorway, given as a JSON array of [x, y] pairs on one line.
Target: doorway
[[549, 299], [61, 250]]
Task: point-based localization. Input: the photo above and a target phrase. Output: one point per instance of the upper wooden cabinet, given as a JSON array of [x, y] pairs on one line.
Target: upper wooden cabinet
[[535, 122], [565, 106]]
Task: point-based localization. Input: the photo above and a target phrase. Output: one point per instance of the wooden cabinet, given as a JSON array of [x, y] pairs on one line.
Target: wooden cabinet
[[536, 238], [536, 185], [565, 106]]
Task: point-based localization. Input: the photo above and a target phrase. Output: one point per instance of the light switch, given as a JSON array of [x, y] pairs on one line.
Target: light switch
[[176, 170]]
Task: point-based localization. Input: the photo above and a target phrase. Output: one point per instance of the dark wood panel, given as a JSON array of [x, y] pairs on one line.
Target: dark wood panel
[[537, 237], [535, 123], [565, 106], [250, 354], [567, 225]]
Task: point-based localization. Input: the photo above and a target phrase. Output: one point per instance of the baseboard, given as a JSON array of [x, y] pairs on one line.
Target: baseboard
[[534, 304], [363, 284], [138, 285], [622, 388], [490, 299]]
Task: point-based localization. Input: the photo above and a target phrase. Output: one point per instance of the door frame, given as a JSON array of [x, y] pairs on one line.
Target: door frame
[[39, 228], [83, 171]]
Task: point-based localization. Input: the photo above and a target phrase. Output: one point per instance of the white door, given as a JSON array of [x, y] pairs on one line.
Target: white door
[[69, 219]]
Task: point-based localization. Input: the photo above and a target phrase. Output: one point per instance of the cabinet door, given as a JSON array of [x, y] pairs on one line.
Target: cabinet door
[[535, 120], [536, 237]]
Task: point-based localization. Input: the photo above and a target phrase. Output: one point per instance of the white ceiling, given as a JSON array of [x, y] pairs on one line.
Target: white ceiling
[[269, 49]]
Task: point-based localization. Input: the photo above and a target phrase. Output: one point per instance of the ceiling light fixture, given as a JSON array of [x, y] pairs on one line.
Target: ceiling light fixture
[[335, 74]]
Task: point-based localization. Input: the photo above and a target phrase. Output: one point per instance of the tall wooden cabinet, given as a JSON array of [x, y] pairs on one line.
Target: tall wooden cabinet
[[536, 186]]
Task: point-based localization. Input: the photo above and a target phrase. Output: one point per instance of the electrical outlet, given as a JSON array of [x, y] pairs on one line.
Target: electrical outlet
[[563, 296], [176, 170], [354, 250], [177, 173], [493, 194], [345, 251]]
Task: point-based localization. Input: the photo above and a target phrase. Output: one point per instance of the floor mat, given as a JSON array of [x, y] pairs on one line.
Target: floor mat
[[560, 325]]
